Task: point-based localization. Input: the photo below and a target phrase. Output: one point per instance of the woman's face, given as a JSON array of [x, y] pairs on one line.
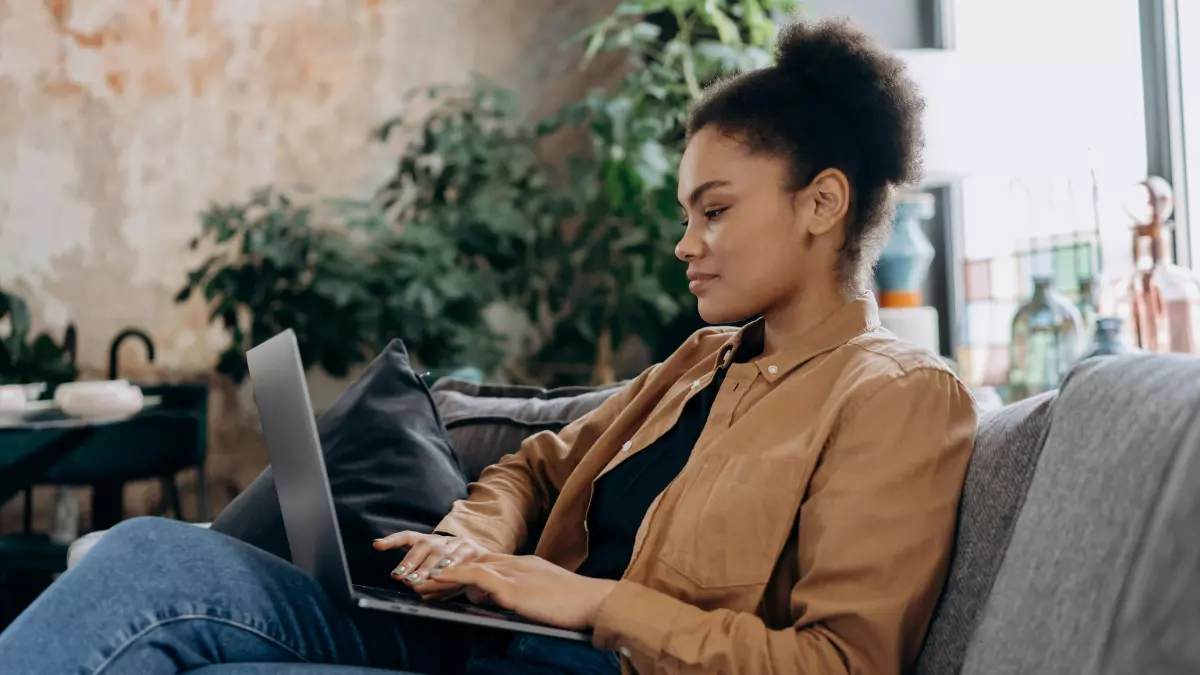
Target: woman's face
[[751, 244]]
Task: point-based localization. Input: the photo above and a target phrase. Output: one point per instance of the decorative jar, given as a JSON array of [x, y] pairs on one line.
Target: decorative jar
[[1047, 337]]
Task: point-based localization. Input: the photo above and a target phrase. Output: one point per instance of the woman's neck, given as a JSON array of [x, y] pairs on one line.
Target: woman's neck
[[810, 307]]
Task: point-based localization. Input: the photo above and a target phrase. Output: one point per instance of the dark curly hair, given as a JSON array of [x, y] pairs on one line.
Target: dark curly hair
[[833, 100]]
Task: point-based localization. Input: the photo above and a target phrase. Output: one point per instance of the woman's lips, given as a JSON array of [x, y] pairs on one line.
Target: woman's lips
[[697, 281]]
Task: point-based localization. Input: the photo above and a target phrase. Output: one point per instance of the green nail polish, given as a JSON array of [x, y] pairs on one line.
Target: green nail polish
[[412, 577], [418, 583], [445, 562], [399, 569], [434, 572]]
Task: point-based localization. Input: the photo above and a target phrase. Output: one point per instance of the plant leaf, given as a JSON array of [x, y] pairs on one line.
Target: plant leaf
[[727, 30]]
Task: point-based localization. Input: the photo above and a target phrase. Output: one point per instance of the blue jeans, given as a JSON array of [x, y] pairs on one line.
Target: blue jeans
[[160, 596]]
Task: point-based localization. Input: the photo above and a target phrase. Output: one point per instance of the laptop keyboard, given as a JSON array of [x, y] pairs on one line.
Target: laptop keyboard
[[459, 604], [386, 594]]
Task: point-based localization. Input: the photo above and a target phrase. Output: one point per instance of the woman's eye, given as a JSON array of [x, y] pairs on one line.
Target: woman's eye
[[709, 214]]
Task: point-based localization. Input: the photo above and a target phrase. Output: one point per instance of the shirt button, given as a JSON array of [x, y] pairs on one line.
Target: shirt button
[[625, 652], [772, 369], [627, 446]]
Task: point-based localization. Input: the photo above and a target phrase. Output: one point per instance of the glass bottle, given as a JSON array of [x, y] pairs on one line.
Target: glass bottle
[[1109, 340], [1047, 335], [1159, 301], [1088, 303]]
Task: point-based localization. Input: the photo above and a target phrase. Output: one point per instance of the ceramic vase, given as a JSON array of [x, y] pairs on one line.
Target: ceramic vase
[[905, 261]]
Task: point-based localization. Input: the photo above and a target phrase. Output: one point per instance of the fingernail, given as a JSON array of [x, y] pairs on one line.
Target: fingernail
[[379, 540], [399, 569], [434, 572], [418, 583], [412, 577], [445, 562]]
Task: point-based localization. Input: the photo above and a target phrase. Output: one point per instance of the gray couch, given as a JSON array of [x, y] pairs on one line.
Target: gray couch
[[1078, 549]]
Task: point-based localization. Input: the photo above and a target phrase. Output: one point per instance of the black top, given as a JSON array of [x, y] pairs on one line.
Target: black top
[[623, 495]]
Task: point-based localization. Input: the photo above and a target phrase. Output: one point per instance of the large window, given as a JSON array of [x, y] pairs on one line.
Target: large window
[[1189, 75], [1047, 133]]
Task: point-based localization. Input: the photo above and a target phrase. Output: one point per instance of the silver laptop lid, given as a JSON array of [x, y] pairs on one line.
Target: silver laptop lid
[[294, 448]]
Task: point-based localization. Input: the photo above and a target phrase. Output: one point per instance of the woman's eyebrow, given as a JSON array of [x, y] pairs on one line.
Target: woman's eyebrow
[[701, 189]]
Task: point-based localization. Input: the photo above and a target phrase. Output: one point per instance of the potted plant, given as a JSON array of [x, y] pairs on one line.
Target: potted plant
[[627, 179], [28, 359], [346, 286], [474, 218], [584, 250]]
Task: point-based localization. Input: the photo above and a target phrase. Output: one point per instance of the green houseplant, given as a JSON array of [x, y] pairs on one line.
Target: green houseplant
[[470, 180], [25, 358], [340, 279], [625, 177], [583, 249]]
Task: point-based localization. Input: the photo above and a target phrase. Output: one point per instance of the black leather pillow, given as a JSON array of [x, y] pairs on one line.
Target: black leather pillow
[[390, 465], [486, 422]]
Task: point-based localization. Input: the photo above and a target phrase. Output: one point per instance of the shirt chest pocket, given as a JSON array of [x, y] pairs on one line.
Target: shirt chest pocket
[[731, 520]]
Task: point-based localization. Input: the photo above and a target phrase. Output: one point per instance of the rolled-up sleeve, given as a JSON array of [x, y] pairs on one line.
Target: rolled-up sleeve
[[513, 492], [875, 532]]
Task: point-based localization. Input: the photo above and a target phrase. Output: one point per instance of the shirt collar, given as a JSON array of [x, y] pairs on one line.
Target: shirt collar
[[856, 317]]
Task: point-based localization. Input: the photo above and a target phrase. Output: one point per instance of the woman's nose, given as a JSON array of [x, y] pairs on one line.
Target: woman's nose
[[689, 247]]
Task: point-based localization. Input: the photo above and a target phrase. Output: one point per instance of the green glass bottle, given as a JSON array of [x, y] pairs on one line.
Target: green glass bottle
[[1047, 340]]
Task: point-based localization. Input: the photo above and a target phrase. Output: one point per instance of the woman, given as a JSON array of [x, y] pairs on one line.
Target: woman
[[779, 498]]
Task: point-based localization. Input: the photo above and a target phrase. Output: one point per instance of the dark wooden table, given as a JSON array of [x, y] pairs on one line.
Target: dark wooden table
[[49, 436]]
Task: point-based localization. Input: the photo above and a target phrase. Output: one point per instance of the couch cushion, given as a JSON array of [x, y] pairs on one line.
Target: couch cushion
[[390, 466], [486, 422], [1090, 524], [1007, 446], [1157, 625]]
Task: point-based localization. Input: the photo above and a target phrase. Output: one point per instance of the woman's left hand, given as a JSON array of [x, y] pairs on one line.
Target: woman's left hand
[[534, 588]]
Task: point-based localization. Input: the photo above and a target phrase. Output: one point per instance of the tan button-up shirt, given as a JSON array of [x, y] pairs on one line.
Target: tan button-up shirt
[[810, 530]]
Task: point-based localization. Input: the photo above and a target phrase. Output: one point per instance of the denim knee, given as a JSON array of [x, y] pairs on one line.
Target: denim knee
[[141, 545], [136, 534]]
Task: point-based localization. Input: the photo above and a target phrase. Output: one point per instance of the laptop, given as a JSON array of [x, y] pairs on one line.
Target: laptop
[[306, 501]]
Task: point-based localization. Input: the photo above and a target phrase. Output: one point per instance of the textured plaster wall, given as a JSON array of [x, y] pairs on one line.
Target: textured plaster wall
[[121, 119]]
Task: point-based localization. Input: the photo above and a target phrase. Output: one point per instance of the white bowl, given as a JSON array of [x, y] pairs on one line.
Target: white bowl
[[110, 398], [12, 397], [68, 388]]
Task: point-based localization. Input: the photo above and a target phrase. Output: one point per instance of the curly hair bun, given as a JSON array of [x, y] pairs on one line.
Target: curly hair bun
[[834, 60]]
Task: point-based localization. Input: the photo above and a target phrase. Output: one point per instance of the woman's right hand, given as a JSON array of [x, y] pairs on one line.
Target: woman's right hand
[[427, 555]]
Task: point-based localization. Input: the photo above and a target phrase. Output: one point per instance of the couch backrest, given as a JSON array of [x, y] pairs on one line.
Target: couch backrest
[[1102, 572], [1007, 446], [486, 422]]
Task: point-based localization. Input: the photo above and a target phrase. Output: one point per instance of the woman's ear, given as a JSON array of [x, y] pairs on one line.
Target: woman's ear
[[830, 192]]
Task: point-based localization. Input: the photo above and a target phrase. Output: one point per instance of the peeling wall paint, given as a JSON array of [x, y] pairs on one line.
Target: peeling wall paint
[[120, 120]]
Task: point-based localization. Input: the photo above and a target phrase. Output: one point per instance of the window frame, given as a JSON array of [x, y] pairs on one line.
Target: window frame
[[1163, 100]]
